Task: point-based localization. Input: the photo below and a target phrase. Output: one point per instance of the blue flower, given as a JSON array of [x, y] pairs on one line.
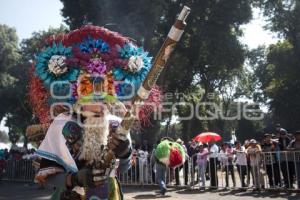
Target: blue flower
[[58, 72], [124, 91], [89, 45], [133, 78]]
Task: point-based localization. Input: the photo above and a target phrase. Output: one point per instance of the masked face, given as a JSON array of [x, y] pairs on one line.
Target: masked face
[[96, 130]]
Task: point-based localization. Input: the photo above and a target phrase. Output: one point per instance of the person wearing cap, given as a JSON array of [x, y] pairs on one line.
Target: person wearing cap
[[201, 162], [295, 147], [269, 148], [226, 157], [285, 157], [279, 129], [254, 152]]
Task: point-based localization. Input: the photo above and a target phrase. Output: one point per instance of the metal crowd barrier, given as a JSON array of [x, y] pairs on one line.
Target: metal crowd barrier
[[273, 170], [19, 171]]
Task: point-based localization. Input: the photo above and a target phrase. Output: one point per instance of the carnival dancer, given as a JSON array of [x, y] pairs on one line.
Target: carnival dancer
[[84, 78], [167, 154]]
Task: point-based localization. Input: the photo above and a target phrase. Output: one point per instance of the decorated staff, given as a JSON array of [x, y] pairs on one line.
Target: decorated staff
[[158, 65]]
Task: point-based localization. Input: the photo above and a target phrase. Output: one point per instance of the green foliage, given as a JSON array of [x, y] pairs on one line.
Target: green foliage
[[277, 67], [14, 95], [9, 56], [209, 56], [279, 77], [133, 18]]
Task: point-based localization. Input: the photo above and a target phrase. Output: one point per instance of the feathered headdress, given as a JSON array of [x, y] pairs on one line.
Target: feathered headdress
[[89, 64]]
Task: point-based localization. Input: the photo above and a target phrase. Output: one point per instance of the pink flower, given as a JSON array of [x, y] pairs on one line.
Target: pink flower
[[96, 66]]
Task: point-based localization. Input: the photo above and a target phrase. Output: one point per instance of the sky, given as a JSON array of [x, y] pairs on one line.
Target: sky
[[28, 16]]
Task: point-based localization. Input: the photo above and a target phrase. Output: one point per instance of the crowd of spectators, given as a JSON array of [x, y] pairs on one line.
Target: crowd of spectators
[[15, 154], [272, 162]]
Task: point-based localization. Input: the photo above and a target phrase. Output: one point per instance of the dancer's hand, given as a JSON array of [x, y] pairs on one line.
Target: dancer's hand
[[120, 147], [87, 177], [81, 178]]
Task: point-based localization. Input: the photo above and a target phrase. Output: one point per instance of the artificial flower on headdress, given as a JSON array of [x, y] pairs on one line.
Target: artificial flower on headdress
[[38, 98], [95, 88], [109, 84], [96, 67], [85, 86], [137, 67], [51, 65], [91, 45]]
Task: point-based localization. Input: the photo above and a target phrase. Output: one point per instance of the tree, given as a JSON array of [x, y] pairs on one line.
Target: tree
[[9, 56], [17, 108], [209, 55], [277, 67], [133, 18]]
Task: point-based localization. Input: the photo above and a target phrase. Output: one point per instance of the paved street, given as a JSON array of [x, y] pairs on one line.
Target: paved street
[[21, 191]]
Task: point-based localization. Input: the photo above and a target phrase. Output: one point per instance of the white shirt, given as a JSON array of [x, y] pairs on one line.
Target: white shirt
[[143, 155], [223, 158], [214, 151], [241, 157]]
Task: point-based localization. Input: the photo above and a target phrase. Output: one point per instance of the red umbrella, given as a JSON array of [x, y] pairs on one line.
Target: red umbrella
[[207, 137]]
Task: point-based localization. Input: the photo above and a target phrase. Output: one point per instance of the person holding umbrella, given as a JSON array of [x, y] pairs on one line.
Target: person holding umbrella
[[213, 149], [201, 161]]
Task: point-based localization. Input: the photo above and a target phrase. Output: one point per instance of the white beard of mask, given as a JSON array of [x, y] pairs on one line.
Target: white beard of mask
[[95, 137]]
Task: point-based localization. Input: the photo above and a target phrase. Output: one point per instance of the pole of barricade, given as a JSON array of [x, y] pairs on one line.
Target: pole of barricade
[[188, 171], [222, 174], [151, 172], [248, 174], [273, 171], [209, 171], [240, 173], [279, 163], [216, 173], [287, 169], [295, 165], [135, 172], [126, 175], [227, 174], [131, 176], [193, 172], [264, 165], [24, 169]]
